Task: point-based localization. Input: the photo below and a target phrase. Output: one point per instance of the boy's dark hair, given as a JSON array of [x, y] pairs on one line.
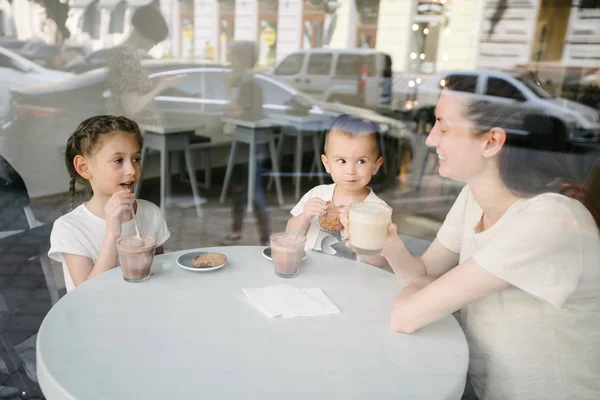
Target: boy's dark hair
[[150, 23], [354, 126], [87, 136]]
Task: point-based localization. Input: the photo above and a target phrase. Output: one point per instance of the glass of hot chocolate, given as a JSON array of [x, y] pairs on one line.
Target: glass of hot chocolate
[[287, 250], [135, 256], [368, 227]]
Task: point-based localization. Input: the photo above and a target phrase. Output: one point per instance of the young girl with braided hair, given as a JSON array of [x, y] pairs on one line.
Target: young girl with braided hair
[[103, 153]]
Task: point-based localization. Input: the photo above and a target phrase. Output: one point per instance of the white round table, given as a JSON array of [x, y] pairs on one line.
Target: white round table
[[184, 335]]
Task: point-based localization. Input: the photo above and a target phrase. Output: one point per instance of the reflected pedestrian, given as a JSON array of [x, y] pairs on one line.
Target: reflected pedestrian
[[132, 92], [246, 102]]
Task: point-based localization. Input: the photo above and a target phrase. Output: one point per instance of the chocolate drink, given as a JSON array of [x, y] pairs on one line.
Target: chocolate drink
[[135, 257], [287, 250]]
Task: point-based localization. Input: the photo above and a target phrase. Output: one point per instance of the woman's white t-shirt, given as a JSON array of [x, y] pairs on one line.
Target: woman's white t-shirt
[[81, 232], [539, 338]]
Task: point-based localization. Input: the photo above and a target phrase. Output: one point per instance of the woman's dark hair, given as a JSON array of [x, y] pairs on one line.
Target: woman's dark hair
[[86, 138], [149, 22], [354, 126], [591, 196], [538, 165]]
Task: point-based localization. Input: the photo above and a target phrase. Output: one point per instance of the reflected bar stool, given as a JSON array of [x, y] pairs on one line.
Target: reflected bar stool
[[167, 139], [298, 127], [206, 145], [252, 133]]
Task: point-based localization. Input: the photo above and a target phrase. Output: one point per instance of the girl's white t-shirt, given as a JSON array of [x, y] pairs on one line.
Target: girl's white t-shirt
[[81, 232], [539, 338]]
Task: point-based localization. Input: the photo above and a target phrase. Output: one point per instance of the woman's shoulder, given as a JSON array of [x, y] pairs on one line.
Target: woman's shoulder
[[554, 205], [559, 216]]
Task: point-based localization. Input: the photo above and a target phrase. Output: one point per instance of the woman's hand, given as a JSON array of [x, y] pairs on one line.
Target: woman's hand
[[314, 208], [117, 211]]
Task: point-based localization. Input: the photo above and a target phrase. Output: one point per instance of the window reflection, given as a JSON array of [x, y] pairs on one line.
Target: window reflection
[[532, 66]]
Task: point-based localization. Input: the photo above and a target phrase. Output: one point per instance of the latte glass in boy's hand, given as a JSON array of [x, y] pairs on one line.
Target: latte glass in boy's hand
[[136, 257], [287, 250], [368, 227]]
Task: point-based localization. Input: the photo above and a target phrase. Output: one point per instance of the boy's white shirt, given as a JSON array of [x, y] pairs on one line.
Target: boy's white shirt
[[81, 232], [324, 192]]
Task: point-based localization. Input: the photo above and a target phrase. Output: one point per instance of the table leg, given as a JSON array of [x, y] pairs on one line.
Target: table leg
[[382, 149], [168, 176], [298, 164], [278, 155], [138, 187], [230, 164], [251, 171], [164, 159], [317, 158], [275, 162], [207, 168], [189, 162]]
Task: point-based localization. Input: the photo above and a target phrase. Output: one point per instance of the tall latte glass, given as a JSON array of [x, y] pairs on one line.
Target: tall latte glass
[[368, 227]]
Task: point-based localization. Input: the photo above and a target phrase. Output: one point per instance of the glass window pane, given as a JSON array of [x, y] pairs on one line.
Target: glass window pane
[[501, 88], [190, 86], [272, 93], [319, 64], [290, 65], [348, 65], [460, 83], [215, 86]]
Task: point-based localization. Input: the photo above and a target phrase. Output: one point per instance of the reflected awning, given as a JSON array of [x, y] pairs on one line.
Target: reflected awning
[[131, 3], [79, 3]]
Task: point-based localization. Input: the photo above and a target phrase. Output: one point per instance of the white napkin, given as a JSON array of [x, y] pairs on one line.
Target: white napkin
[[288, 301]]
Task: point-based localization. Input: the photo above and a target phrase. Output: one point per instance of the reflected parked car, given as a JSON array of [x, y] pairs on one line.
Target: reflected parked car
[[572, 122], [585, 90], [93, 60], [13, 44], [16, 72], [51, 55], [44, 117], [360, 77]]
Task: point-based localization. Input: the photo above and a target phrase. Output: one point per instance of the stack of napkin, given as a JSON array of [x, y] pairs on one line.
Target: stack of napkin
[[287, 301]]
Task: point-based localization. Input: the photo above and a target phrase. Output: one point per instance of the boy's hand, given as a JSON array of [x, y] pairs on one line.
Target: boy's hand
[[117, 210], [314, 208]]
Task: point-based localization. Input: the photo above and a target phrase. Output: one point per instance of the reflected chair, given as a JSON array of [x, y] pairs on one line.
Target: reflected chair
[[22, 239]]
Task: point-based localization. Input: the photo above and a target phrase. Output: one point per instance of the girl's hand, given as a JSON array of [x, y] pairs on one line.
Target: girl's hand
[[118, 210], [314, 208]]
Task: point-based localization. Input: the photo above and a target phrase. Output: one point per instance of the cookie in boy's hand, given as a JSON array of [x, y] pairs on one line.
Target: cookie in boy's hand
[[209, 260], [331, 220]]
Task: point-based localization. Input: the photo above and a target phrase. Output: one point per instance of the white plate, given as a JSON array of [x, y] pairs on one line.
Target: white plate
[[185, 261], [267, 253]]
